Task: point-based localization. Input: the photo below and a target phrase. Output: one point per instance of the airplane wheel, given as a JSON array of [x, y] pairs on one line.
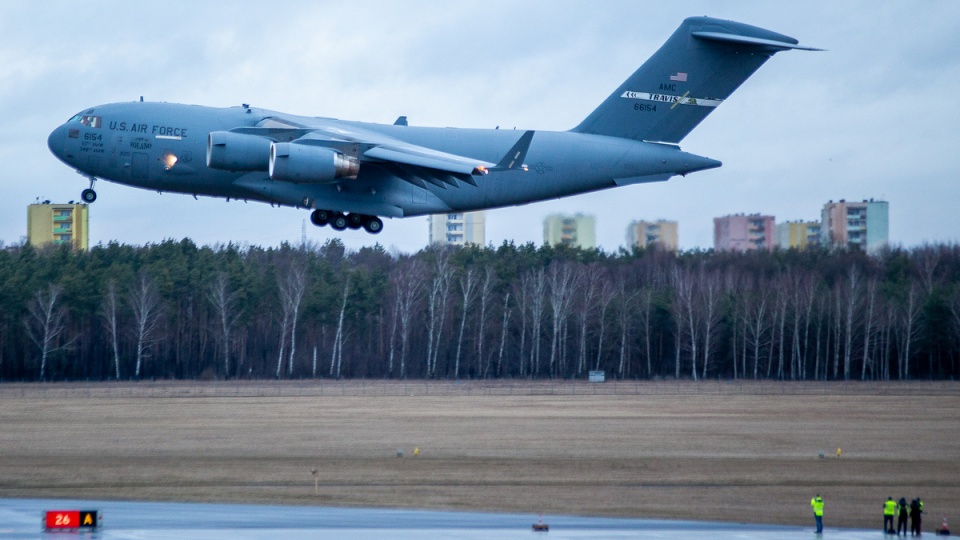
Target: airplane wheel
[[355, 221], [320, 217], [88, 195], [338, 222], [373, 225]]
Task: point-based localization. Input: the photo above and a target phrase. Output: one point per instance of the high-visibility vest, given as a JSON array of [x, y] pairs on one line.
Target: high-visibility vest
[[890, 508], [817, 504]]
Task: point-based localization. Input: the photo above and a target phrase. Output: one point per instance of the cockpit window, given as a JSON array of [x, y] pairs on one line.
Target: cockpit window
[[87, 120], [91, 121]]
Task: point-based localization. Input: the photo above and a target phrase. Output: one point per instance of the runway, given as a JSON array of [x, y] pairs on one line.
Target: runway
[[22, 519]]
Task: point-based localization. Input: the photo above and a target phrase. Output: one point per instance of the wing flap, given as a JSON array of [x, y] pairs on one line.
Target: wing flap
[[419, 156]]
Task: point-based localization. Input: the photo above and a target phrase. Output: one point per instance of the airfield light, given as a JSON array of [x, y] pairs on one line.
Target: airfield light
[[169, 160]]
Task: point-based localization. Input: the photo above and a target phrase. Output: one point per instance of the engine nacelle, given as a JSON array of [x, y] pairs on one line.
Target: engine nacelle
[[237, 152], [307, 164]]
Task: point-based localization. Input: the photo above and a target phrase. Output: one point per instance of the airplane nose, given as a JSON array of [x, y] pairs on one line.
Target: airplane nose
[[55, 141]]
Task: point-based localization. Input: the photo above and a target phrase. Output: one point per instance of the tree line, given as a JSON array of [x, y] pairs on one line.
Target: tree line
[[182, 311]]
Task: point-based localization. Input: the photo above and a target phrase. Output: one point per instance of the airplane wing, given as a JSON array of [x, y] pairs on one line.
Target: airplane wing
[[411, 162]]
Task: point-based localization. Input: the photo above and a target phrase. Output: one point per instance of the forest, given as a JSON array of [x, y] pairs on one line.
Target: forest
[[175, 310]]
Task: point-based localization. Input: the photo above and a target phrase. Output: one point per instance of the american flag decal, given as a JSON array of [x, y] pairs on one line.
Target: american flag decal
[[679, 77]]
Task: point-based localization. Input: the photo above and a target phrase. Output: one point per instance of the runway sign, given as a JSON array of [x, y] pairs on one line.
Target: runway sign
[[59, 520]]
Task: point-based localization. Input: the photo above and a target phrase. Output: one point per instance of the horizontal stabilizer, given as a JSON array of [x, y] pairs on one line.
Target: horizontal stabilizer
[[746, 40]]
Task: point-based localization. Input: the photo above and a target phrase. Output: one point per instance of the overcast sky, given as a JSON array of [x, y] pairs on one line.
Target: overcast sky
[[872, 117]]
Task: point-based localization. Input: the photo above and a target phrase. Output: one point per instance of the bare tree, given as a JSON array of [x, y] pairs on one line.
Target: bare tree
[[805, 295], [293, 287], [684, 311], [868, 327], [592, 277], [486, 294], [732, 287], [711, 294], [408, 283], [625, 309], [853, 297], [535, 288], [394, 323], [503, 332], [757, 319], [837, 327], [336, 360], [608, 292], [562, 282], [888, 318], [927, 263], [291, 284], [522, 293], [468, 284], [781, 302], [145, 304], [823, 312], [224, 301], [908, 329], [644, 303], [436, 307], [109, 314], [45, 323]]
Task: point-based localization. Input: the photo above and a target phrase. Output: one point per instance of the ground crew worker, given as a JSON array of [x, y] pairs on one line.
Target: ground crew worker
[[817, 504], [920, 501], [915, 517], [889, 510], [903, 512]]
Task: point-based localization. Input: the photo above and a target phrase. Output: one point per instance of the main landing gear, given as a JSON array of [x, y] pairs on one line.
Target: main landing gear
[[339, 221]]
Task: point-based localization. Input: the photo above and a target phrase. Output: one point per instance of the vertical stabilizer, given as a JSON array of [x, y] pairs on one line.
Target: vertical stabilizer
[[701, 64]]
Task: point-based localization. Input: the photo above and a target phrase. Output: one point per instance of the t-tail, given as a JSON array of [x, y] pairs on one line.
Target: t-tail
[[701, 64]]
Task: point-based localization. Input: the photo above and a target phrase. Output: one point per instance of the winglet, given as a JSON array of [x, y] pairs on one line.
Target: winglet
[[513, 159], [401, 121]]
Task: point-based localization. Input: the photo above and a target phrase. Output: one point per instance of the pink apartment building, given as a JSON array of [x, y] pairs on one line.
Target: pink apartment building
[[744, 232]]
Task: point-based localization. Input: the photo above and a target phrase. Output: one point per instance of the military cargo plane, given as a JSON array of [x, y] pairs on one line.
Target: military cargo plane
[[350, 174]]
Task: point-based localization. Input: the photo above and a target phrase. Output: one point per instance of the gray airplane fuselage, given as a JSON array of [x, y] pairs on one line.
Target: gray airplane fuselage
[[132, 139]]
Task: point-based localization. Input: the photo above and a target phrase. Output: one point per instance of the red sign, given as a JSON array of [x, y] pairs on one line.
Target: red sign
[[71, 519]]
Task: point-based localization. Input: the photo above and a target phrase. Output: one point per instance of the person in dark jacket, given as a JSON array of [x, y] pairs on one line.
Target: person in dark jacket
[[915, 512], [903, 511]]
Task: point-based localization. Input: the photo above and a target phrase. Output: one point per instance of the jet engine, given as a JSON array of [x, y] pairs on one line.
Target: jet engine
[[237, 152], [307, 164]]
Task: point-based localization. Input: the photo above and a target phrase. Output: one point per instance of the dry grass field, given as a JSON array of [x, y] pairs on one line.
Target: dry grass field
[[715, 451]]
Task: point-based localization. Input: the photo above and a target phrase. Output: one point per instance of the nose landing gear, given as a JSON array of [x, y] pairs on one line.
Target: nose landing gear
[[89, 195], [339, 221]]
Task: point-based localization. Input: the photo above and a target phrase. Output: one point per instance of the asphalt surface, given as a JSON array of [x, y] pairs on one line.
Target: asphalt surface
[[23, 518]]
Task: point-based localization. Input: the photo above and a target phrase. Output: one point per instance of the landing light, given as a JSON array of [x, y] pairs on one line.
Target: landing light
[[169, 160]]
